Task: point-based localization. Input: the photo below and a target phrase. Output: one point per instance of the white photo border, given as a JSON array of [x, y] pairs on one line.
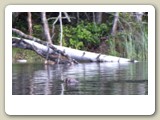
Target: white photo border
[[80, 104]]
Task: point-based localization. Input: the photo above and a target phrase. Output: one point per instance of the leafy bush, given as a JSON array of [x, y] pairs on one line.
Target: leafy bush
[[38, 30], [83, 36]]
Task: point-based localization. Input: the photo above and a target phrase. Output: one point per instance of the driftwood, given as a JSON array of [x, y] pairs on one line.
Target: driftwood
[[60, 54]]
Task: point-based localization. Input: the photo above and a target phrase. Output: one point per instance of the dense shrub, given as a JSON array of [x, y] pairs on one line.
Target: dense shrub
[[84, 36]]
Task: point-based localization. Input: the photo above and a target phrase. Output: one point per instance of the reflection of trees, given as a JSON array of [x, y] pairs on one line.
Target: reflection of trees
[[108, 78], [50, 80], [37, 79], [21, 78], [114, 79], [129, 88], [40, 82]]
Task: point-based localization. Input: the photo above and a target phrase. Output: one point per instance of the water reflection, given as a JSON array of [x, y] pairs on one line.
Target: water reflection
[[93, 79]]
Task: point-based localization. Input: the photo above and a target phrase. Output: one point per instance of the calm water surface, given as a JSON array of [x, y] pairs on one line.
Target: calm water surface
[[93, 78]]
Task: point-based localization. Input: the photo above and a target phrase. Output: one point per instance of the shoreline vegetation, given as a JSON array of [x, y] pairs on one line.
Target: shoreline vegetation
[[117, 34], [22, 54]]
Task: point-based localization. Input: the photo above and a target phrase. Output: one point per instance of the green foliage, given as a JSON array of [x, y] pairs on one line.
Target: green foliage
[[131, 43], [37, 30], [112, 47], [130, 40], [21, 25], [84, 36]]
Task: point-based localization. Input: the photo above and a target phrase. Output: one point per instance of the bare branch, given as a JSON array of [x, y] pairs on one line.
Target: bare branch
[[67, 16], [20, 33], [52, 18]]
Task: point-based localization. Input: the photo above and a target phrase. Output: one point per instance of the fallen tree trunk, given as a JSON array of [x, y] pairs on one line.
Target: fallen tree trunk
[[60, 54], [46, 50], [68, 55], [85, 56]]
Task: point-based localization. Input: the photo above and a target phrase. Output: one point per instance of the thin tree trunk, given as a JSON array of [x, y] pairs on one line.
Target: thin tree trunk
[[87, 15], [46, 27], [114, 28], [98, 17], [77, 17], [61, 27], [94, 19], [30, 23]]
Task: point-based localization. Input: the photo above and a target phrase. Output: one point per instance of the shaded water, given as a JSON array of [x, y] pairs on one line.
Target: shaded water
[[93, 78]]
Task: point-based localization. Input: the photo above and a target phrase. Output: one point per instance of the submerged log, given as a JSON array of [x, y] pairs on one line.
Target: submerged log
[[64, 54]]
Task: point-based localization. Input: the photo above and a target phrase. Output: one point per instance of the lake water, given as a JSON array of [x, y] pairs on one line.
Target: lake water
[[93, 78]]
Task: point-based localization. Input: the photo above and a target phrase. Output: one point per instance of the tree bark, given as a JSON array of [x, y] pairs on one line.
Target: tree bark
[[61, 27], [29, 19], [78, 17], [98, 17], [75, 55], [46, 27], [114, 28], [67, 16]]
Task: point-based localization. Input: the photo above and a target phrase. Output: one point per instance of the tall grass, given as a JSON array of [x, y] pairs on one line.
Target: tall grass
[[132, 41]]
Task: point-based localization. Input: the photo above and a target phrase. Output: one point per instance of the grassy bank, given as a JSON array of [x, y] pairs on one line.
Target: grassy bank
[[28, 55], [131, 43]]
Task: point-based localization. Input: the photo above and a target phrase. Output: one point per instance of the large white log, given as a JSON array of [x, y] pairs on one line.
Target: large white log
[[80, 55], [90, 56]]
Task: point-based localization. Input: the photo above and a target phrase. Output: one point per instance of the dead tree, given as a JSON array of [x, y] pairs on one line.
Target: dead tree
[[46, 27]]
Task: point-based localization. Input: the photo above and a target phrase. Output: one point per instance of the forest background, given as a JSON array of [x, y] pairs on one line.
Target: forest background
[[117, 34]]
